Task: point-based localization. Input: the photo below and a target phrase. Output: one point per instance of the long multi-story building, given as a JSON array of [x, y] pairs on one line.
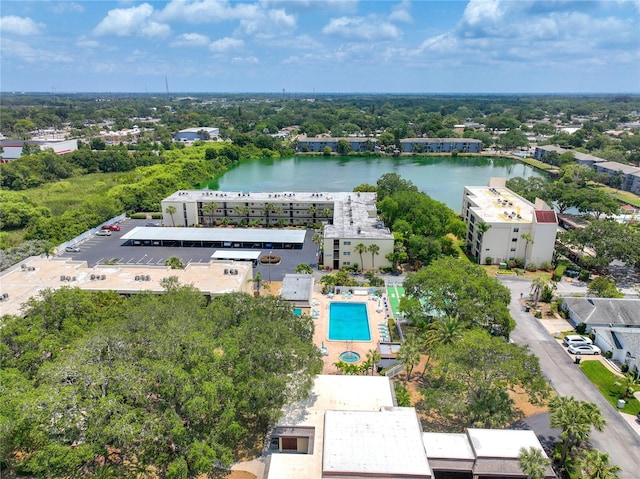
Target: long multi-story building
[[617, 175], [502, 225], [440, 145], [348, 219]]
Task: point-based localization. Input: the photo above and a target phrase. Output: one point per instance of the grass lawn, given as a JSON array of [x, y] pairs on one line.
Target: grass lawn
[[605, 381]]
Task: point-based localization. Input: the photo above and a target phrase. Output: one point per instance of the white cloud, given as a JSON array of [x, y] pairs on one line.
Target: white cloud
[[267, 23], [401, 12], [131, 21], [533, 34], [13, 48], [191, 40], [334, 6], [225, 44], [65, 7], [369, 28], [20, 25], [86, 43], [245, 60], [197, 11]]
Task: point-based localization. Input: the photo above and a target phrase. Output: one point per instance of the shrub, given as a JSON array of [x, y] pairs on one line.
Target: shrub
[[156, 216], [558, 272], [510, 264], [519, 262], [608, 354], [138, 216], [581, 328], [624, 367], [538, 314], [488, 260], [546, 266], [270, 259], [532, 267], [584, 275]]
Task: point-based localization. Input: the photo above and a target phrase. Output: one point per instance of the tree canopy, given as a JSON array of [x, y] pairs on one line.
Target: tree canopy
[[463, 289], [168, 381]]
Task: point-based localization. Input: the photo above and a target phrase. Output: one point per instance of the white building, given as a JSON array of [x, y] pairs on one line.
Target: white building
[[351, 427], [348, 219], [517, 228], [200, 133]]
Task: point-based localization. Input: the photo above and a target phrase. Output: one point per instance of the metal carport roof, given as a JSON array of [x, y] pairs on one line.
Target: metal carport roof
[[246, 235]]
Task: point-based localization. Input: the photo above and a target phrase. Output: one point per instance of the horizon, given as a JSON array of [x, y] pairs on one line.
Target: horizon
[[404, 47]]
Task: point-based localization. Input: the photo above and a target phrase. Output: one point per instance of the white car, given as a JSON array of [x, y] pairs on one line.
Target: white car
[[576, 339], [584, 349], [103, 233], [72, 249]]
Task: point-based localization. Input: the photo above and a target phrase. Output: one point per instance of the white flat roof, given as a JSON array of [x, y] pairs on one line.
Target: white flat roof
[[501, 443], [444, 445], [235, 254], [499, 205], [385, 442], [247, 235]]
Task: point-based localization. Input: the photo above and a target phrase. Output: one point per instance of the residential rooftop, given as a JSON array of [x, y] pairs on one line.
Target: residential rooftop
[[499, 205]]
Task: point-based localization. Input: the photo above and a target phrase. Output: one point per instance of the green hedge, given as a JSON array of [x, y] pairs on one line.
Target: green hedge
[[558, 272]]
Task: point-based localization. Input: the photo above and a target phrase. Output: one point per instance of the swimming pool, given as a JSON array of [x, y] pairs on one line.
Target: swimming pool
[[349, 322]]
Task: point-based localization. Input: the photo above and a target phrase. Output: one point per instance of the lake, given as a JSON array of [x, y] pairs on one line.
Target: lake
[[442, 178]]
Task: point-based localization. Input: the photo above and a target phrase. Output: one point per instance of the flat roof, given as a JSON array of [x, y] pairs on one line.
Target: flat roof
[[378, 443], [445, 445], [297, 287], [246, 235], [499, 205], [242, 255], [501, 443], [41, 273]]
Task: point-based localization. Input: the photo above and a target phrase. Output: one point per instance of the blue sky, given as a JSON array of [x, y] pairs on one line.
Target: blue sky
[[475, 46]]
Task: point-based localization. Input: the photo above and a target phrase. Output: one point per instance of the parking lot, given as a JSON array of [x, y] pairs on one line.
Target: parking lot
[[112, 249]]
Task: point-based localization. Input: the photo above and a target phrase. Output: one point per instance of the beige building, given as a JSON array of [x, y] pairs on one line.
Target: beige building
[[348, 219], [502, 225]]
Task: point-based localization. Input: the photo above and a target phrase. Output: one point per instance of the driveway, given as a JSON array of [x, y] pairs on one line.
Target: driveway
[[618, 439]]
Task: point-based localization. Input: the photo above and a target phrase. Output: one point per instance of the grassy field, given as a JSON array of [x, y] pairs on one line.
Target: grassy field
[[610, 385], [63, 195]]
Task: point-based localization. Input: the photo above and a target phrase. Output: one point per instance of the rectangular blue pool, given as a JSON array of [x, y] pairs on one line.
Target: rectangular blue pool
[[349, 322]]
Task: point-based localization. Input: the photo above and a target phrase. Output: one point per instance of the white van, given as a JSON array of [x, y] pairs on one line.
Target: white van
[[576, 339]]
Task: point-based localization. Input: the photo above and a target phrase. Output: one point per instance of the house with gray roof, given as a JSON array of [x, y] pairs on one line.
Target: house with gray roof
[[615, 323]]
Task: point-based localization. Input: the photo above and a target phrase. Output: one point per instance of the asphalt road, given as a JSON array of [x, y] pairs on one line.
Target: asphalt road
[[618, 439]]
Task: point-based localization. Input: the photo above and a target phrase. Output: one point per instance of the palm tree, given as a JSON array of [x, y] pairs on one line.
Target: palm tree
[[445, 330], [595, 465], [171, 210], [257, 281], [209, 209], [528, 239], [312, 211], [304, 268], [373, 357], [482, 228], [537, 287], [360, 248], [374, 249], [533, 462], [575, 418], [174, 263], [409, 354]]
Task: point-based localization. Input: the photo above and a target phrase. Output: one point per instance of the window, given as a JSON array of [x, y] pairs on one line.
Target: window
[[515, 230], [512, 249], [346, 263], [513, 240], [346, 253], [347, 243]]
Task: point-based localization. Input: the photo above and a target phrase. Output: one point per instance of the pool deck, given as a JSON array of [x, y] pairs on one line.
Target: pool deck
[[334, 348]]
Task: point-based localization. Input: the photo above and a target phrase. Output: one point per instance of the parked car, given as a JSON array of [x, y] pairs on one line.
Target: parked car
[[103, 233], [72, 249], [111, 227], [576, 339], [153, 224], [584, 349]]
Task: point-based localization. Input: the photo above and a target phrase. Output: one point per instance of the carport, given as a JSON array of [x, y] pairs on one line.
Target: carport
[[216, 237]]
